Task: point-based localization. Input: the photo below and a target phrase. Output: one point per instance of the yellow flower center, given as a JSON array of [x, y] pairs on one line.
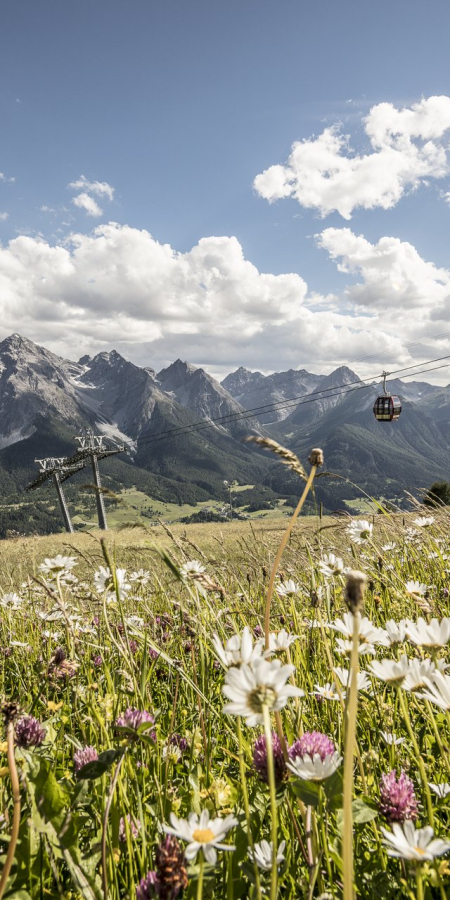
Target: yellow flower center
[[203, 835], [420, 851]]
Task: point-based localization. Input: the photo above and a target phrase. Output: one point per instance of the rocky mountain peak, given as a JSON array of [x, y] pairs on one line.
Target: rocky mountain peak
[[175, 375]]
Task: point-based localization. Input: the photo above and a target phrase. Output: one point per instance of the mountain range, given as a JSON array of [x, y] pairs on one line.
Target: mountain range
[[183, 431]]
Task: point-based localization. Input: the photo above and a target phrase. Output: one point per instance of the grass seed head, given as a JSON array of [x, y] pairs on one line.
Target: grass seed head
[[354, 591], [316, 457]]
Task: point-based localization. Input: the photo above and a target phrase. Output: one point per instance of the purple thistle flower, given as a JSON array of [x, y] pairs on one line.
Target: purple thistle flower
[[134, 646], [135, 827], [148, 887], [133, 718], [29, 732], [153, 654], [260, 763], [97, 660], [312, 743], [398, 800], [83, 757], [258, 631]]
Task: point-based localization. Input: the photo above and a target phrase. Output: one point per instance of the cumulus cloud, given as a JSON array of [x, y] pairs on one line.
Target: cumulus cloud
[[119, 287], [394, 275], [99, 188], [84, 201], [326, 174], [4, 216]]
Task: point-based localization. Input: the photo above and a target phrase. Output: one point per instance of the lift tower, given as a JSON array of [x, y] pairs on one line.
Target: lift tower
[[92, 446], [58, 468]]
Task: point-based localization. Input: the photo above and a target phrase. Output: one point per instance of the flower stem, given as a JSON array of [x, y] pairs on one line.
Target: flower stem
[[419, 883], [105, 826], [200, 878], [273, 803], [347, 840], [246, 806], [283, 543], [419, 760], [16, 814]]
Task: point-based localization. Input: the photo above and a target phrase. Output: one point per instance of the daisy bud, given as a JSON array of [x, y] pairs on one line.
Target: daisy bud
[[354, 591]]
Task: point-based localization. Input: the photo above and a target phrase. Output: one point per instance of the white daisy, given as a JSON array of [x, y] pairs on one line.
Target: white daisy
[[315, 768], [362, 680], [392, 671], [423, 521], [408, 842], [368, 633], [287, 588], [416, 587], [262, 854], [391, 739], [359, 531], [396, 631], [104, 581], [387, 547], [429, 634], [58, 565], [263, 684], [440, 789], [239, 649], [331, 565], [346, 647], [438, 690], [328, 692], [419, 670], [141, 577], [11, 601], [281, 641], [192, 570], [135, 622], [202, 833]]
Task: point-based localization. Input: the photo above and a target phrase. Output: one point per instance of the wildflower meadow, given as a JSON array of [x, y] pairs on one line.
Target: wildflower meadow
[[191, 723]]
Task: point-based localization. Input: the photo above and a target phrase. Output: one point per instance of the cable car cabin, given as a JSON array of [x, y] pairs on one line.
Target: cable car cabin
[[387, 408]]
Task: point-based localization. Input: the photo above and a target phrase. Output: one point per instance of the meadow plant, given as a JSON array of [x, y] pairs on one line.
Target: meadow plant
[[176, 729]]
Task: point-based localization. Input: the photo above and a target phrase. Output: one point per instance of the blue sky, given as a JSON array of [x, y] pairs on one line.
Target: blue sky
[[179, 106]]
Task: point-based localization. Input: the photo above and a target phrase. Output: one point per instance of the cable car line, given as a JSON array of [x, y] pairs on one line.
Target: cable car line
[[296, 401], [282, 404]]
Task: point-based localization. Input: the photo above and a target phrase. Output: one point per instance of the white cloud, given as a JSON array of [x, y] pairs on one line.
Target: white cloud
[[84, 201], [395, 278], [48, 209], [119, 287], [324, 173], [4, 216], [99, 188], [4, 177]]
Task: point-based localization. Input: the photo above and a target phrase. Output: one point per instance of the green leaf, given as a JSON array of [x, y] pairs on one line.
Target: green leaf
[[363, 811], [308, 791], [98, 767]]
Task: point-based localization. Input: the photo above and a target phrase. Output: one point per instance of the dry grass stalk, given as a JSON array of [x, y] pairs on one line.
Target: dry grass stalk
[[286, 456]]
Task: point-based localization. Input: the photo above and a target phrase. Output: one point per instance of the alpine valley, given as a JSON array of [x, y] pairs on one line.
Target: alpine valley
[[184, 434]]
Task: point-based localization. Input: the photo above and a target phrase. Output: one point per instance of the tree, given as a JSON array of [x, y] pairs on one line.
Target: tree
[[438, 494]]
